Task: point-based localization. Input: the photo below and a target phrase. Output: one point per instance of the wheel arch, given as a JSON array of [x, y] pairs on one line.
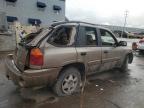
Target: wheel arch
[[80, 66], [130, 57]]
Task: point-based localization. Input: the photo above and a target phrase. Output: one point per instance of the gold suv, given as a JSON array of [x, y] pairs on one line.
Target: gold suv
[[63, 54]]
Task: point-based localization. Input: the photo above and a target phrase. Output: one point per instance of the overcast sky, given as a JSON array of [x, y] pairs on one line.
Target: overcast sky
[[110, 12]]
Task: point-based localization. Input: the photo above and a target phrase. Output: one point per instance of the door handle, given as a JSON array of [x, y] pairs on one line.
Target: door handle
[[105, 51], [83, 53]]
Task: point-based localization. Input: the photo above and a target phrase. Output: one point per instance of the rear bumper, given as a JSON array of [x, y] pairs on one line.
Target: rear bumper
[[142, 49], [30, 77]]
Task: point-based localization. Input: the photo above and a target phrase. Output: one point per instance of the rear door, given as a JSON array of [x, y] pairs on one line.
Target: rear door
[[20, 56], [88, 48], [111, 54]]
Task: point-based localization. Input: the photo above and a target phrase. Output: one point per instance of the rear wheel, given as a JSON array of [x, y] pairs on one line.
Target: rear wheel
[[68, 82]]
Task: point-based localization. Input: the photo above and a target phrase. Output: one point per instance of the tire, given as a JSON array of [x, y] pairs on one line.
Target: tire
[[68, 82], [124, 67]]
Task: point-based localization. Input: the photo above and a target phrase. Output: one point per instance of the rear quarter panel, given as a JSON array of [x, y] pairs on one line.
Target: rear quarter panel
[[58, 56]]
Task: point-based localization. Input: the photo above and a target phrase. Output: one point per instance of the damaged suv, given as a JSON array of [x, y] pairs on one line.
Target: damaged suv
[[63, 54]]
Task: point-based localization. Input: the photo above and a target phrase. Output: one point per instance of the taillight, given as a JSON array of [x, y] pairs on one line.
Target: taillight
[[36, 57], [141, 41], [134, 45]]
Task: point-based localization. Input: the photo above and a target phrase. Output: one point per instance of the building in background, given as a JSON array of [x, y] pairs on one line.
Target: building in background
[[120, 28], [3, 22], [27, 12], [30, 12]]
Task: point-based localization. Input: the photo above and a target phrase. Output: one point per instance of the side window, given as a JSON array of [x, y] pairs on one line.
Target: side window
[[63, 36], [90, 36], [107, 38]]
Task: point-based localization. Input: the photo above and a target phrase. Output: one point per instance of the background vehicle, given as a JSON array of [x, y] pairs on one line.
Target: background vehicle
[[64, 54], [118, 33], [140, 46]]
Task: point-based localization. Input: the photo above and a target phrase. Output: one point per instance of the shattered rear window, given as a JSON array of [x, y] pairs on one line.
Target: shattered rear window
[[28, 38], [37, 36]]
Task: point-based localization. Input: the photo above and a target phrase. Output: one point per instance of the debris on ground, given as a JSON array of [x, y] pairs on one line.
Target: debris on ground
[[96, 85], [101, 89], [111, 81]]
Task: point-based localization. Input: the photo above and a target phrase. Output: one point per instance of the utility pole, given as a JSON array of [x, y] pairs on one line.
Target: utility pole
[[125, 21]]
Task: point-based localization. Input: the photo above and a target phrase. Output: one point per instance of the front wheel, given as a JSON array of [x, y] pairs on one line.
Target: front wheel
[[68, 82], [124, 67]]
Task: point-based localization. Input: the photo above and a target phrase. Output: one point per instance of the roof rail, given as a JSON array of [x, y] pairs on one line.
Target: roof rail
[[57, 23]]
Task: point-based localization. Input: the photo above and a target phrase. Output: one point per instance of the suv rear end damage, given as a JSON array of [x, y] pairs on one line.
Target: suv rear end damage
[[29, 77], [25, 67]]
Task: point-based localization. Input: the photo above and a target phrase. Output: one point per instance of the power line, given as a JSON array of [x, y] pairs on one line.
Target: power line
[[125, 21]]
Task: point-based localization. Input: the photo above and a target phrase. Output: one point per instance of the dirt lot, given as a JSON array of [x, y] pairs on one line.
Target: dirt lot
[[110, 89]]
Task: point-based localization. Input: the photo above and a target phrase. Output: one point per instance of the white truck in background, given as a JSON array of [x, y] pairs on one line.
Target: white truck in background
[[140, 46]]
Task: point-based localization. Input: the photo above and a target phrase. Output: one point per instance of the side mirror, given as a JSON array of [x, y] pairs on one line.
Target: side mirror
[[122, 43]]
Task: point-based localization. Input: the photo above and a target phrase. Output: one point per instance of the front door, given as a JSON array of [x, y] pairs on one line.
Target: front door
[[111, 54], [88, 49]]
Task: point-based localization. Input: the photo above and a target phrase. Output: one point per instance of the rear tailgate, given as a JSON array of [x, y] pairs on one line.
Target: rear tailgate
[[21, 57]]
